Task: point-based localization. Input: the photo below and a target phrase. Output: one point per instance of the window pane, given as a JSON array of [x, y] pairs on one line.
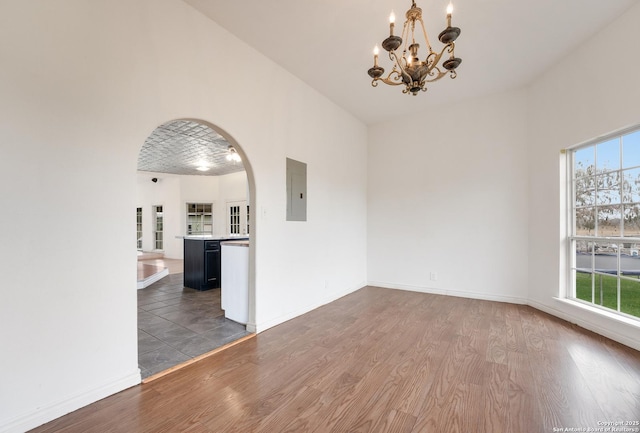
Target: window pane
[[608, 155], [584, 161], [606, 258], [585, 221], [631, 185], [631, 150], [583, 286], [631, 220], [608, 188], [585, 190], [606, 291], [630, 296], [584, 256], [629, 260], [609, 221]]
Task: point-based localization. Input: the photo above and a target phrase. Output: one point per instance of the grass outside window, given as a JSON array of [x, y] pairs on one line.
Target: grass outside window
[[605, 292]]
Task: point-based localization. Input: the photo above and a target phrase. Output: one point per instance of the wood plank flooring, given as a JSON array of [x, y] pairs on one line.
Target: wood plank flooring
[[382, 360]]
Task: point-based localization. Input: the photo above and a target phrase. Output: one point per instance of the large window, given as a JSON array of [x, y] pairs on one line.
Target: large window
[[199, 219], [605, 229]]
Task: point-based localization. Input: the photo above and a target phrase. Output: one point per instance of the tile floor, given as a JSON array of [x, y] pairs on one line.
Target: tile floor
[[176, 323]]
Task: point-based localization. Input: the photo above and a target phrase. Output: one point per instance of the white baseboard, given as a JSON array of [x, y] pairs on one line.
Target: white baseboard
[[580, 320], [152, 279], [55, 410], [263, 326], [584, 322], [448, 292]]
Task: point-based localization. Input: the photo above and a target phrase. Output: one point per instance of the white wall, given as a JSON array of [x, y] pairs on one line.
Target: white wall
[[83, 84], [174, 192], [473, 191], [592, 92], [448, 194], [166, 192]]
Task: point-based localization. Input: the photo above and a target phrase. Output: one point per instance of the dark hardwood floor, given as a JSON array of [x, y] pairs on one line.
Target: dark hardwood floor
[[382, 360]]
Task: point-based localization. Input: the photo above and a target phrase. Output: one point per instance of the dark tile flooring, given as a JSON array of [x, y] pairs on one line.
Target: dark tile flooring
[[176, 324]]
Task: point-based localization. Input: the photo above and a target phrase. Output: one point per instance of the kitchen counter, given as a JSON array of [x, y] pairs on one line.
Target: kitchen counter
[[217, 238]]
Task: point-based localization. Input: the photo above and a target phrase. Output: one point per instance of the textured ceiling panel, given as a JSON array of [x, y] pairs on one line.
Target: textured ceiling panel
[[181, 146]]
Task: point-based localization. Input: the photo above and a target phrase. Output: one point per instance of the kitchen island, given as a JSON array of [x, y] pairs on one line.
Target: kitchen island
[[202, 260]]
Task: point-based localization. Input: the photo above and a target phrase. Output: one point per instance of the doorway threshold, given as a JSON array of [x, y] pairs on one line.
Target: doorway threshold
[[196, 359]]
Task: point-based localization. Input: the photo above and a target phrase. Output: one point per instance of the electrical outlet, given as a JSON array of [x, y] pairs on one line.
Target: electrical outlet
[[434, 276]]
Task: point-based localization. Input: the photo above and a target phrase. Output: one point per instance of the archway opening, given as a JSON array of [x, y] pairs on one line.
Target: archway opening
[[196, 192]]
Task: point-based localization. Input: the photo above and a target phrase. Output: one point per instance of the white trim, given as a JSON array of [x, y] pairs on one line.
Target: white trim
[[449, 292], [243, 216], [585, 323], [152, 279], [579, 320], [55, 410], [259, 327]]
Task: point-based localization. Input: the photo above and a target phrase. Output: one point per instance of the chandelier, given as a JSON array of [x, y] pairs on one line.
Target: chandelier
[[408, 69]]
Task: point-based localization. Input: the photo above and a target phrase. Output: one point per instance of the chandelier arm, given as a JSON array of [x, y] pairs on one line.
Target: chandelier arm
[[405, 38], [393, 79], [436, 57], [399, 63], [451, 46], [426, 37], [439, 75]]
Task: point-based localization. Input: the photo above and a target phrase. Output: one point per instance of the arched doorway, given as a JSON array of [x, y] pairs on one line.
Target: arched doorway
[[194, 182]]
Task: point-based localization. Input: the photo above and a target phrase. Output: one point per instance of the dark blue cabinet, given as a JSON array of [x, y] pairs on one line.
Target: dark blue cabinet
[[201, 264]]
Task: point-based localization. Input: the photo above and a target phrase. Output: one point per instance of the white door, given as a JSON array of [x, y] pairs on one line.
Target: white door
[[238, 218]]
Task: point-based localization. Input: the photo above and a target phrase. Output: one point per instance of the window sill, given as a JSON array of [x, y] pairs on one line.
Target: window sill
[[601, 312]]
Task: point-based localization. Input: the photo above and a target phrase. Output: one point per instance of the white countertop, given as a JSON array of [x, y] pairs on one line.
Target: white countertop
[[217, 238]]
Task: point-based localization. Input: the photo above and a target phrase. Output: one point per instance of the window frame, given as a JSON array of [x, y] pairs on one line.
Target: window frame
[[158, 227], [616, 244], [238, 223], [199, 212], [139, 228]]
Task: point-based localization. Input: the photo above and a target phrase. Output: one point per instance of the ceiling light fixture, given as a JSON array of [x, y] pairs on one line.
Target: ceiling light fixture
[[202, 168], [233, 155], [408, 69]]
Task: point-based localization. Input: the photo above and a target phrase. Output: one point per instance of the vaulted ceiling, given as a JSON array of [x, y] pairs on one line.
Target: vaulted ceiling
[[504, 44]]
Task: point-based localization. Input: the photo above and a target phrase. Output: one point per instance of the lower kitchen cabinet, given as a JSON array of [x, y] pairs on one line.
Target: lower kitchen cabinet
[[201, 264]]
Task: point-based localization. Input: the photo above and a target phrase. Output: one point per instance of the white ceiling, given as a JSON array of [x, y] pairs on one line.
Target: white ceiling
[[504, 44]]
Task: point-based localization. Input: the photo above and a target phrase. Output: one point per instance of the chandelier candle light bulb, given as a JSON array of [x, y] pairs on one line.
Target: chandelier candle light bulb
[[392, 23], [408, 69]]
